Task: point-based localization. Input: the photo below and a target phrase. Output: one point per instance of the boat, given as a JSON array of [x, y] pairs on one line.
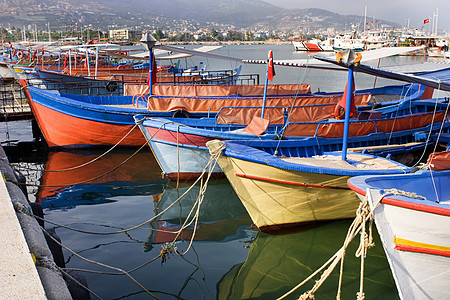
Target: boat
[[299, 184], [374, 39], [349, 41], [314, 45], [412, 216], [179, 144], [285, 187], [299, 46], [80, 121]]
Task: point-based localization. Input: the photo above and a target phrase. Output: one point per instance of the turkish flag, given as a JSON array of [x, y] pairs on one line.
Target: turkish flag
[[426, 21], [270, 68]]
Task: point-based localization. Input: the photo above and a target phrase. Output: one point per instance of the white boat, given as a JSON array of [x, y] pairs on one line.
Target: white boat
[[314, 45], [299, 46], [413, 222], [348, 42], [375, 39]]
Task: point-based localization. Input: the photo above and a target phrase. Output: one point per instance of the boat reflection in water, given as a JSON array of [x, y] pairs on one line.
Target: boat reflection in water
[[220, 215], [228, 260], [98, 179], [277, 263]]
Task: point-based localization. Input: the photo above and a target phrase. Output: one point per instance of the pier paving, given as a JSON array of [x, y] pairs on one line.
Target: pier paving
[[18, 273]]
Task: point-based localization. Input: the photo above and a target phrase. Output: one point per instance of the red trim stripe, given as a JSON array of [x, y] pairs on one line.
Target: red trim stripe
[[417, 206], [291, 182], [406, 204], [421, 250]]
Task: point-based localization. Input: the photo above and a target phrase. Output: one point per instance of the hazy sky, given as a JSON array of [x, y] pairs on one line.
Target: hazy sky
[[390, 10]]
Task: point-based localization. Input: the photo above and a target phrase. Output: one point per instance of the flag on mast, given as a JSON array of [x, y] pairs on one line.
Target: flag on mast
[[426, 21], [270, 68]]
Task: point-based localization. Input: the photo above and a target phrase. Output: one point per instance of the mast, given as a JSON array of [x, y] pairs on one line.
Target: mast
[[365, 18], [49, 33], [437, 13]]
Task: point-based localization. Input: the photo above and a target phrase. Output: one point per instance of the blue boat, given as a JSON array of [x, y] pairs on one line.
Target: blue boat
[[179, 144]]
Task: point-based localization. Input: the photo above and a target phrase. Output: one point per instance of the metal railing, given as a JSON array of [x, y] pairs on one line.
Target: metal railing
[[13, 103]]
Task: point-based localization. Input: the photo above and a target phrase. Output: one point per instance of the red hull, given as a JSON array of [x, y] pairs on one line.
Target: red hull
[[61, 130], [312, 47]]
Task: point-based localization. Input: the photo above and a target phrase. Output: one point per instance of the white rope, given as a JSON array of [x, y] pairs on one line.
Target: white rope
[[364, 214]]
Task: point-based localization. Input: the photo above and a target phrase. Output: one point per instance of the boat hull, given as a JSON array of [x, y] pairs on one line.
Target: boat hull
[[64, 130], [414, 234], [181, 162], [278, 198]]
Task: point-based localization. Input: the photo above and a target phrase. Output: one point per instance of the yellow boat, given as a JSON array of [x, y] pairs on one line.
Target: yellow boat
[[286, 191]]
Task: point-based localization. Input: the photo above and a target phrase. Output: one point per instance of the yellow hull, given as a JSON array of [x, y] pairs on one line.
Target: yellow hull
[[278, 198]]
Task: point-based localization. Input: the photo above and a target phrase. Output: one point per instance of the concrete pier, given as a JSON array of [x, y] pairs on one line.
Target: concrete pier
[[20, 237], [20, 279]]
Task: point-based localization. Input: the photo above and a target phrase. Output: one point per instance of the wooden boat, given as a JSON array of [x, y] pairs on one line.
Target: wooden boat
[[285, 187], [179, 144], [413, 220], [300, 184], [86, 121]]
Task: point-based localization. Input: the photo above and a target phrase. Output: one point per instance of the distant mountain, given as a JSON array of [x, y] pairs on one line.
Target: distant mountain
[[173, 14]]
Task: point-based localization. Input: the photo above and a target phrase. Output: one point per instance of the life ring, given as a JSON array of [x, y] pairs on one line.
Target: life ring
[[111, 86], [181, 113], [20, 54]]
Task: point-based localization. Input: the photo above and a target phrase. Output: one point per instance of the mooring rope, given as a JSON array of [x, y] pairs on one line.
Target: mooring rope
[[364, 214], [196, 207], [96, 177], [207, 167], [99, 263], [166, 249]]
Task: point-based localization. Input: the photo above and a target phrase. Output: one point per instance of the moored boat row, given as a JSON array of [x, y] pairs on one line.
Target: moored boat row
[[279, 154]]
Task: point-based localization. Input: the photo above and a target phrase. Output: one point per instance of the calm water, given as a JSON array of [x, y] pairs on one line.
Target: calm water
[[228, 258]]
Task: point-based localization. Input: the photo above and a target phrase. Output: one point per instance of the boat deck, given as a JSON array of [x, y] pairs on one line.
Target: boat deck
[[129, 106], [353, 162]]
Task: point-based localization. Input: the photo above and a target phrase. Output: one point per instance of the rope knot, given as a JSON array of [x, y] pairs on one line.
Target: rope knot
[[167, 249]]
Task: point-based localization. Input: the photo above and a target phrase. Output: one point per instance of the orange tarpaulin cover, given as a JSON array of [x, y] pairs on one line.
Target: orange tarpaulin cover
[[215, 104], [244, 115], [439, 161], [217, 90], [359, 128], [257, 126]]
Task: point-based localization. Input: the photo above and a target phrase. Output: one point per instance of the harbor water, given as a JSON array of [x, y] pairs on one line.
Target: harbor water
[[216, 255]]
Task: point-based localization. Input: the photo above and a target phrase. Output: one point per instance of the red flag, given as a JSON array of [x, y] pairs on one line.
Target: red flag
[[339, 111], [367, 23], [270, 68], [426, 21]]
